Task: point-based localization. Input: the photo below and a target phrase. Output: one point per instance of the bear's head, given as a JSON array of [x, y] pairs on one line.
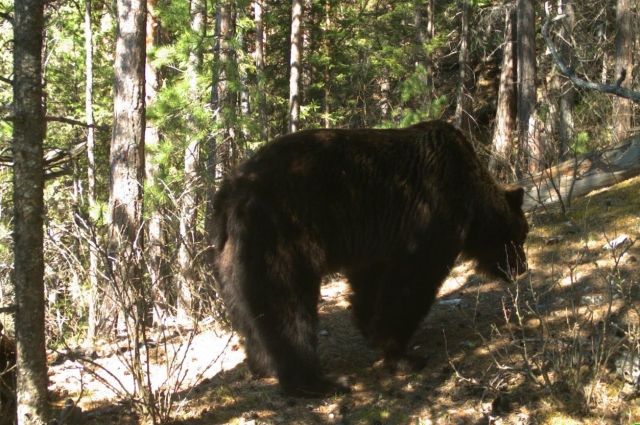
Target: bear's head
[[499, 252]]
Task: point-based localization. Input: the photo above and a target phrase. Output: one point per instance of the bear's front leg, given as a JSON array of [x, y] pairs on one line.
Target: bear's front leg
[[390, 302]]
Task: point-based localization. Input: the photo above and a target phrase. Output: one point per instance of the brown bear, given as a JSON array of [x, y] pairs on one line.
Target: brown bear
[[390, 209]]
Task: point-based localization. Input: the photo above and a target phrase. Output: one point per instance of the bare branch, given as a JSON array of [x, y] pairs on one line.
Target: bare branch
[[8, 309], [6, 80], [56, 161], [76, 122], [615, 89], [65, 120]]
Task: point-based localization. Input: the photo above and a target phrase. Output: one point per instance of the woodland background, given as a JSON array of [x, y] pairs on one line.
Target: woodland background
[[146, 106]]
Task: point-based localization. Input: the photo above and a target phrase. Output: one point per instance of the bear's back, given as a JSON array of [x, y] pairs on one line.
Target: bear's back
[[346, 187]]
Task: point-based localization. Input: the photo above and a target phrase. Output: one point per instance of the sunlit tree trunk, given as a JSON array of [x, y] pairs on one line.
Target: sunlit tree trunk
[[623, 108], [28, 184], [295, 65], [602, 39], [505, 123], [563, 88], [243, 95], [431, 27], [224, 98], [385, 96], [423, 35], [221, 144], [127, 155], [258, 9], [326, 115], [530, 151]]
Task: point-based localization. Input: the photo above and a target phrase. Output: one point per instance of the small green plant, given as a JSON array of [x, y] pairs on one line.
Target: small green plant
[[580, 144]]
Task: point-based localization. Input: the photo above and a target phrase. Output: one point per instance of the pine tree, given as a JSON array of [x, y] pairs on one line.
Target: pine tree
[[28, 184]]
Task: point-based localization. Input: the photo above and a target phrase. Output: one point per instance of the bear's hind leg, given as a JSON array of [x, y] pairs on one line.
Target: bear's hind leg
[[283, 307], [257, 358]]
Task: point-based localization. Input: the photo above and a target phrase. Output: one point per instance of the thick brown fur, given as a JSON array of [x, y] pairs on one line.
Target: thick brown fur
[[7, 378], [391, 209]]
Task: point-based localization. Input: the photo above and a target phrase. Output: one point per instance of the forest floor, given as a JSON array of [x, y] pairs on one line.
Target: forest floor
[[558, 347]]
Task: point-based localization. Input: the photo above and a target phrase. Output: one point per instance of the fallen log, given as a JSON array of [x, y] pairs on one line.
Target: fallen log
[[581, 175]]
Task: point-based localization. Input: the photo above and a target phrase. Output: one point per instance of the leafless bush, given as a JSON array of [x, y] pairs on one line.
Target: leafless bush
[[139, 317], [572, 336], [568, 353]]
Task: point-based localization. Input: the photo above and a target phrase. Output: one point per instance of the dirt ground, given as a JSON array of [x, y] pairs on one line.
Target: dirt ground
[[545, 350]]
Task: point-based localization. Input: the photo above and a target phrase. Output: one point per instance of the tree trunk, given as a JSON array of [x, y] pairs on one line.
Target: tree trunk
[[244, 99], [295, 66], [565, 89], [221, 145], [187, 281], [28, 183], [259, 59], [463, 105], [602, 39], [127, 155], [431, 27], [326, 118], [505, 126], [623, 108], [385, 97], [423, 35], [156, 242], [92, 319], [224, 103], [529, 150]]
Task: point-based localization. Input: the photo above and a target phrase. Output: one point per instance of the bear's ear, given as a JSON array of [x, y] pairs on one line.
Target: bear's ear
[[515, 196]]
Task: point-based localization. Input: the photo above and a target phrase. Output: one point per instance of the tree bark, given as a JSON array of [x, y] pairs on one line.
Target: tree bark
[[505, 126], [431, 27], [295, 66], [623, 108], [463, 105], [258, 9], [222, 143], [326, 118], [564, 89], [243, 96], [385, 96], [28, 184], [529, 149], [423, 35], [224, 103], [127, 153]]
